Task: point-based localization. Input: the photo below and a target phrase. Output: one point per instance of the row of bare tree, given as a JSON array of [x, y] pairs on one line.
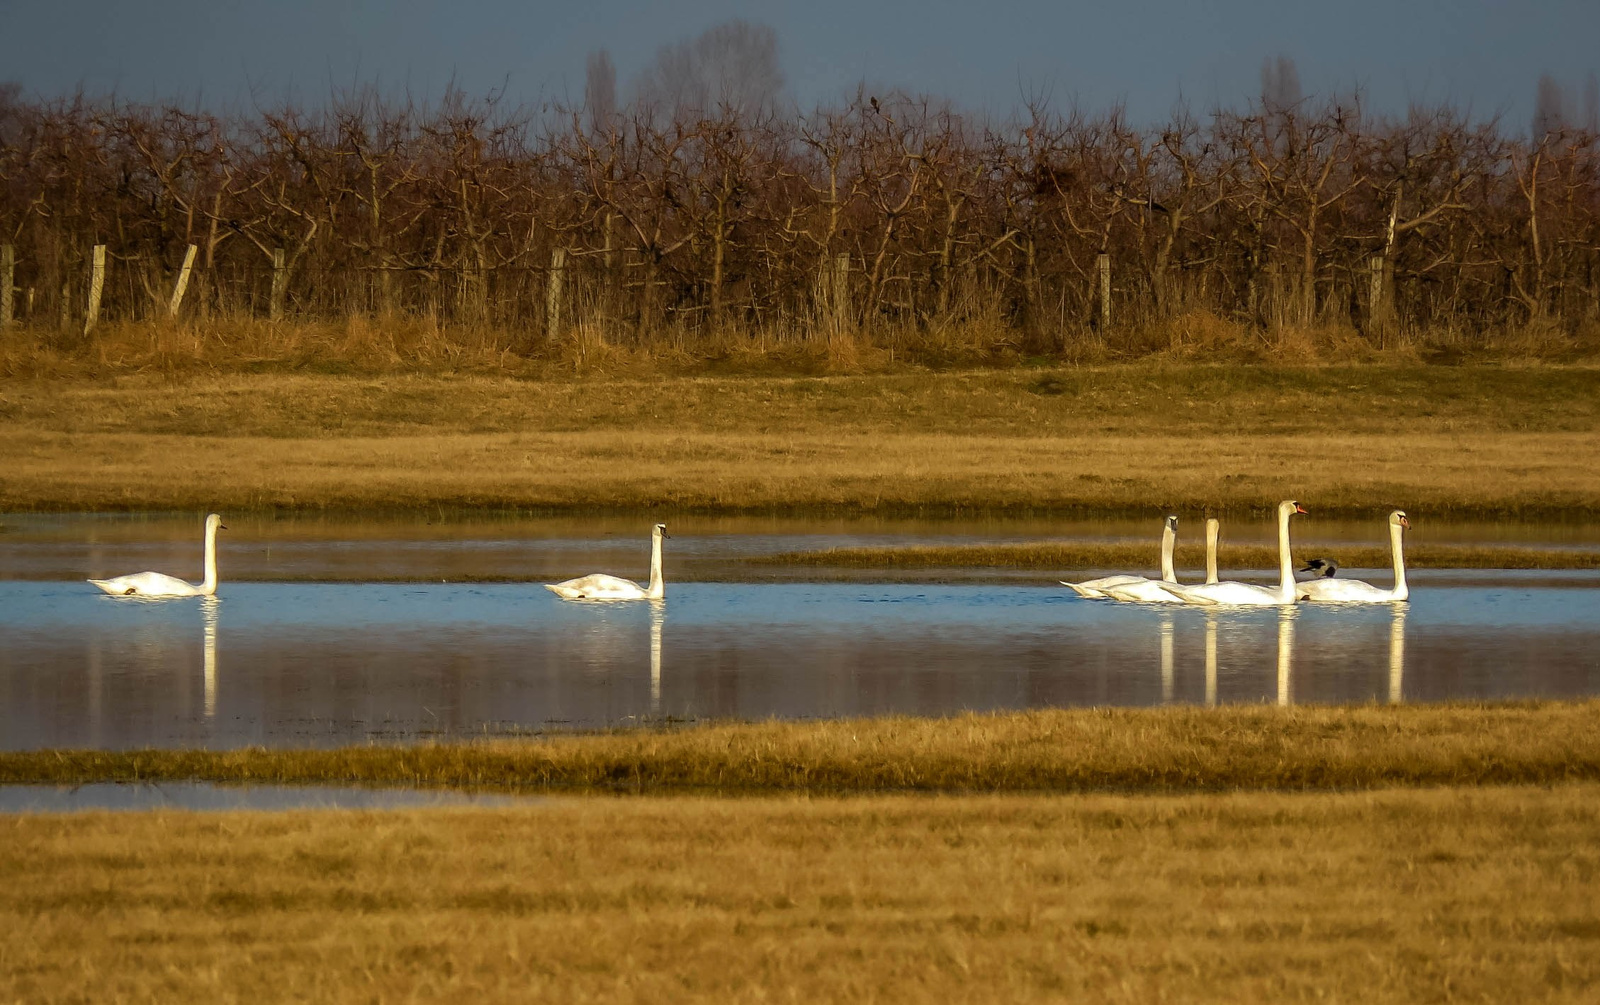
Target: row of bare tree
[[890, 210]]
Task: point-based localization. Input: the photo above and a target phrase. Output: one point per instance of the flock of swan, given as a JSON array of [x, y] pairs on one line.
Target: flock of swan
[[1325, 588], [1134, 589]]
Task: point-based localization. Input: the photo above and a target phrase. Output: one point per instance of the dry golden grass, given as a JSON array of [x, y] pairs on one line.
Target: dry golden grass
[[403, 343], [1506, 442], [1340, 439], [1402, 896], [1153, 750], [1128, 555], [1527, 475]]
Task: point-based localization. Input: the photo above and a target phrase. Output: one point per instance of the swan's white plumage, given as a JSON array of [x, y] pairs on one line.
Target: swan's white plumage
[[1143, 591], [1103, 587], [1233, 594], [600, 586], [159, 586], [1354, 591]]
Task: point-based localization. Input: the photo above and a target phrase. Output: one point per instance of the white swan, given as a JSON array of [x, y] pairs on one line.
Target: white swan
[[1248, 594], [156, 585], [1098, 587], [1151, 591], [1354, 591], [1213, 531], [603, 587]]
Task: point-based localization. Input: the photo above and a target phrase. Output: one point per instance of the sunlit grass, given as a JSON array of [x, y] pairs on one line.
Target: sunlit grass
[[1348, 440], [1053, 555], [1154, 750], [1398, 896]]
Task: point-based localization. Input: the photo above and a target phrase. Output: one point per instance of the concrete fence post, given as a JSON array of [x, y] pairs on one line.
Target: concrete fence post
[[8, 270], [280, 283], [97, 285], [1102, 265], [552, 305], [183, 282]]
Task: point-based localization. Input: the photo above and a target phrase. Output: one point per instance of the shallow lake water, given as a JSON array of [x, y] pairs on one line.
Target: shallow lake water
[[340, 630], [299, 664]]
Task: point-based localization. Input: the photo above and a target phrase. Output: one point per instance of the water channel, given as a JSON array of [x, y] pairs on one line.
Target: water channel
[[315, 640]]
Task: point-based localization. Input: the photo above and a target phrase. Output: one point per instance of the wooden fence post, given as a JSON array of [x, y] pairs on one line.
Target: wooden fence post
[[97, 285], [183, 282], [552, 303], [280, 280], [8, 269], [1102, 265]]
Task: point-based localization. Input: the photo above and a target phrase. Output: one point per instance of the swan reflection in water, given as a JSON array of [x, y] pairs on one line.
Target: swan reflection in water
[[1211, 659], [1166, 659], [1286, 616], [1397, 651], [658, 617], [208, 618], [1286, 630]]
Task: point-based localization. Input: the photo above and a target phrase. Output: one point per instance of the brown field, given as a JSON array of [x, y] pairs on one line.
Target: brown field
[[1503, 442], [1173, 749], [1400, 896]]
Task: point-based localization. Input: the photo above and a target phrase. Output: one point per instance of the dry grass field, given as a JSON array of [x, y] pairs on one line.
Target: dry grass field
[[1155, 750], [1445, 894], [1508, 442]]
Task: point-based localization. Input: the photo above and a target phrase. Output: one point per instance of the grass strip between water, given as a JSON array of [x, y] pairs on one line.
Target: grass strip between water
[[1075, 750], [1050, 555]]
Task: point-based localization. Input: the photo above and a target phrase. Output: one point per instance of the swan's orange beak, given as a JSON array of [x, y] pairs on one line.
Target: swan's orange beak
[[1301, 509], [1405, 522]]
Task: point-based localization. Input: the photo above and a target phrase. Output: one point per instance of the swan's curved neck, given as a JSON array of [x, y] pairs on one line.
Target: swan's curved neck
[[209, 586], [1285, 563], [657, 587], [1397, 552], [1169, 539], [1211, 551]]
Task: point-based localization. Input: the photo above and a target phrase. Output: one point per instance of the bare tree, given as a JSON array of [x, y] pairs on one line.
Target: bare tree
[[732, 67], [1280, 84], [1549, 108], [600, 91]]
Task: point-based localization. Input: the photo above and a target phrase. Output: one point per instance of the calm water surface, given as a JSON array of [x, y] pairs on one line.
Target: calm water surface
[[296, 664]]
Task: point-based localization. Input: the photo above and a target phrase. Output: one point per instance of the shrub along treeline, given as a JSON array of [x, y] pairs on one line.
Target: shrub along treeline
[[890, 218]]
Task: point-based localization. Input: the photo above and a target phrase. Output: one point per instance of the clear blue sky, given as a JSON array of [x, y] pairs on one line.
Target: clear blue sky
[[1486, 53]]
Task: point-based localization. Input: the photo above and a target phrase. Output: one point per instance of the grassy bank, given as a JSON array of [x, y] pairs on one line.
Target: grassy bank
[[1146, 750], [1467, 440], [1049, 555], [1401, 896]]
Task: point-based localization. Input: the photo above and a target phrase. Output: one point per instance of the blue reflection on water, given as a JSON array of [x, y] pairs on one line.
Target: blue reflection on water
[[299, 664]]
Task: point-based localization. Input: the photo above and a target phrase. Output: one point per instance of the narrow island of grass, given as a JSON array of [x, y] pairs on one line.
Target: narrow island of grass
[[1175, 749], [1059, 555]]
